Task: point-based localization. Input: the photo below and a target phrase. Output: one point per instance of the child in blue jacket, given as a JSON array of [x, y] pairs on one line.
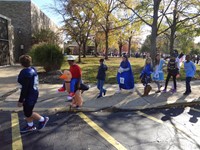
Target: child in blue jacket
[[190, 70], [146, 76]]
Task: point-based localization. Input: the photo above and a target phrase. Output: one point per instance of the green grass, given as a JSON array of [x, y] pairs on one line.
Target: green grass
[[89, 66]]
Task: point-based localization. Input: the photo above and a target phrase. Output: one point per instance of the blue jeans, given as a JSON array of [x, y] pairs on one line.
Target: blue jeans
[[188, 87], [73, 83], [100, 84]]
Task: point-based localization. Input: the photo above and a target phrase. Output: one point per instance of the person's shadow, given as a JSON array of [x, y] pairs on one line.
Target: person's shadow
[[171, 112], [194, 114]]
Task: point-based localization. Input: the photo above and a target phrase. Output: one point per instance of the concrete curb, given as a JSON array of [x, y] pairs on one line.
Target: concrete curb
[[106, 109]]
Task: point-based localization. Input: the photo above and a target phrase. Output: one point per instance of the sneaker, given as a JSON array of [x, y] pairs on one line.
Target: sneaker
[[62, 89], [158, 91], [186, 93], [173, 91], [70, 96], [104, 92], [28, 129], [69, 99], [41, 125], [118, 91], [131, 90], [99, 96]]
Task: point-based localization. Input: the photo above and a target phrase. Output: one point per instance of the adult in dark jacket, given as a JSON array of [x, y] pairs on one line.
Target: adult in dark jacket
[[101, 76]]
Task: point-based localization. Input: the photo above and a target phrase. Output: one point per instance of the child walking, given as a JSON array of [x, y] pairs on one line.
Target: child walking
[[28, 79], [146, 76], [190, 70], [125, 77], [76, 77], [101, 77], [158, 75], [173, 70]]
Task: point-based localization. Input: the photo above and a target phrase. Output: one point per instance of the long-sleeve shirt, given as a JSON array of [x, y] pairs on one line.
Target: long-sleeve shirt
[[190, 69], [28, 79], [102, 72]]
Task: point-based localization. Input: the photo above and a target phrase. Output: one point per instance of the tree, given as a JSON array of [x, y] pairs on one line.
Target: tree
[[182, 18], [47, 36], [146, 45], [78, 21], [148, 12], [109, 18], [184, 42], [132, 30]]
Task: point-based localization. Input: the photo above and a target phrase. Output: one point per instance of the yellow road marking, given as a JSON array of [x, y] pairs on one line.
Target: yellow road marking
[[168, 125], [16, 136], [105, 135]]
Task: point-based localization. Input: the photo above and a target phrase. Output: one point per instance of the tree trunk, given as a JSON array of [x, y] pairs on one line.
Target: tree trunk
[[173, 28], [84, 49], [95, 48], [120, 48], [106, 52], [79, 53], [154, 29], [172, 38]]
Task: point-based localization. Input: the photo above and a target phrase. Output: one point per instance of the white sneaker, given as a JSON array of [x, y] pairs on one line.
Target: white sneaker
[[132, 90], [69, 98], [118, 91]]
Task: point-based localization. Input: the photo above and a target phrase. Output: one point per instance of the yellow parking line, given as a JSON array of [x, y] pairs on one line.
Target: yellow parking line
[[105, 135], [149, 117], [16, 136]]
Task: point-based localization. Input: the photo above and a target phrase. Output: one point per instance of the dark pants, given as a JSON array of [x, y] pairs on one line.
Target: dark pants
[[167, 80], [28, 109], [100, 84], [188, 87]]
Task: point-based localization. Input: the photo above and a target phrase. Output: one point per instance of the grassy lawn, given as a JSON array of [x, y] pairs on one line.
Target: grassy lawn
[[89, 66]]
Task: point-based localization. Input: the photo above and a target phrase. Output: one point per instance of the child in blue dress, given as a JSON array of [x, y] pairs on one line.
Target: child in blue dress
[[158, 75]]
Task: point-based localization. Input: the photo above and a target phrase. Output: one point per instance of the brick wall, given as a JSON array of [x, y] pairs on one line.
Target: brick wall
[[26, 19], [19, 13], [40, 21]]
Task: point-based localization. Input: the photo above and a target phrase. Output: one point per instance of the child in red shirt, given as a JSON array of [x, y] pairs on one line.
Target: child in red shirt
[[76, 77]]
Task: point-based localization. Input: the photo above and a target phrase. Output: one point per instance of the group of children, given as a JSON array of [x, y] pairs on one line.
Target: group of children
[[28, 79], [173, 67]]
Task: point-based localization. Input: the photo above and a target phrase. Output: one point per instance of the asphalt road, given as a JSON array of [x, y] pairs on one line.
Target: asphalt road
[[160, 129]]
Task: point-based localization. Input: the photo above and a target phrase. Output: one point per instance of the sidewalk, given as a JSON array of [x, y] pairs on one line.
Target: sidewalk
[[51, 100]]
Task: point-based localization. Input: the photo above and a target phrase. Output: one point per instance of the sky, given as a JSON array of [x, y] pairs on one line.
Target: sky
[[44, 6]]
